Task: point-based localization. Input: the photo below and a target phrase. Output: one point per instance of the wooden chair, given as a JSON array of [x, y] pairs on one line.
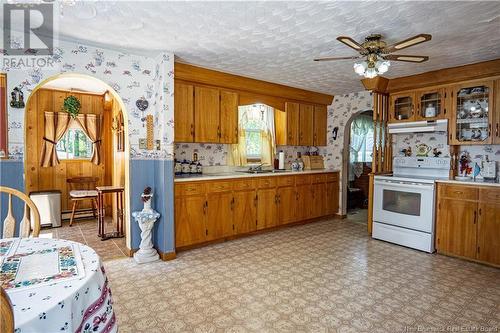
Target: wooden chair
[[82, 188], [6, 313], [9, 224]]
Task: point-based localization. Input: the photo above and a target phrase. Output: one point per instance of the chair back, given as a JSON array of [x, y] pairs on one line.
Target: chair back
[[26, 226], [6, 313], [82, 183]]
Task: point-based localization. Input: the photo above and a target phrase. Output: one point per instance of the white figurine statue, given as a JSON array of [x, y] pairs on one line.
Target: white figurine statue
[[146, 220]]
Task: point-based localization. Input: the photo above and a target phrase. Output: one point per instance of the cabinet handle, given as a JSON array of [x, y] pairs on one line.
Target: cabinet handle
[[192, 130], [205, 208], [279, 198], [489, 130], [475, 215], [276, 199], [496, 130], [218, 132], [236, 132], [256, 200]]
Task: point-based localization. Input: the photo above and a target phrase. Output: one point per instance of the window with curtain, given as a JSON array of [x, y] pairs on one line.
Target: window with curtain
[[74, 144], [361, 146], [256, 142]]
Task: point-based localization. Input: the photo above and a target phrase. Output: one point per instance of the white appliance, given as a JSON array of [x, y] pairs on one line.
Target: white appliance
[[440, 125], [49, 207], [403, 204]]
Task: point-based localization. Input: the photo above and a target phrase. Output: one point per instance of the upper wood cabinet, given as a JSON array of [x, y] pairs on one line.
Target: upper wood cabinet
[[228, 117], [402, 107], [431, 104], [183, 112], [320, 125], [292, 111], [472, 116], [206, 114], [306, 125], [496, 113]]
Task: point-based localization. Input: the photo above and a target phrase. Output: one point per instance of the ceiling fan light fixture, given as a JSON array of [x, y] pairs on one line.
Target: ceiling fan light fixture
[[370, 69], [382, 66], [360, 68]]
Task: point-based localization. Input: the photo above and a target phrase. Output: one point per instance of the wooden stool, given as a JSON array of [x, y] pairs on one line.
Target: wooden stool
[[118, 190]]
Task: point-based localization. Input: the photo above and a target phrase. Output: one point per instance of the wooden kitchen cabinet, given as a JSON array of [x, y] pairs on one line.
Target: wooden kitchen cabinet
[[190, 220], [306, 125], [431, 101], [496, 113], [287, 204], [206, 114], [214, 210], [473, 113], [456, 229], [244, 211], [402, 107], [219, 215], [228, 117], [183, 112], [468, 222], [267, 208], [320, 125], [292, 111]]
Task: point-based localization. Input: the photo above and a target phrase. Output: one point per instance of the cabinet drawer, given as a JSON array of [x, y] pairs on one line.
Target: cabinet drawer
[[321, 178], [219, 187], [243, 184], [286, 181], [303, 179], [190, 189], [266, 182], [458, 192], [332, 177], [489, 195]]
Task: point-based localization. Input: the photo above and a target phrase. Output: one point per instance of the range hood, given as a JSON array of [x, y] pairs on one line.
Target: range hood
[[440, 125]]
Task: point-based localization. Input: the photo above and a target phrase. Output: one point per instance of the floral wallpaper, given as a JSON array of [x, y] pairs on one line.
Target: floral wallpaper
[[133, 77], [208, 154]]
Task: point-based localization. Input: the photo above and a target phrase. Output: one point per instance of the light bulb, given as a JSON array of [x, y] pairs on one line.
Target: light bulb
[[370, 73], [383, 66], [359, 68]]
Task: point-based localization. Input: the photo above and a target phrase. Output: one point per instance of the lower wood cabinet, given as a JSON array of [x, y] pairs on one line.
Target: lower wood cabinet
[[210, 210], [468, 222]]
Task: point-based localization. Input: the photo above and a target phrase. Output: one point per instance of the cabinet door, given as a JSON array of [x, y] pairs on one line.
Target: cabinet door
[[206, 114], [496, 114], [183, 112], [220, 215], [332, 198], [292, 123], [402, 107], [244, 211], [456, 227], [318, 202], [472, 114], [306, 125], [267, 208], [287, 204], [190, 217], [303, 202], [320, 125], [228, 117], [488, 237], [430, 104]]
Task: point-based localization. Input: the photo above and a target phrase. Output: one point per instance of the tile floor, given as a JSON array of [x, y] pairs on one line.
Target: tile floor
[[85, 231], [327, 276]]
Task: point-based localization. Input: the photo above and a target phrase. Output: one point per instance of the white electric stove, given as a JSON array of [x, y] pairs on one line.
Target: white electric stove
[[403, 204]]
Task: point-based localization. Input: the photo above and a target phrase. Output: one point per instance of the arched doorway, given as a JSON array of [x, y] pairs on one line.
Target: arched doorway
[[32, 151], [356, 162]]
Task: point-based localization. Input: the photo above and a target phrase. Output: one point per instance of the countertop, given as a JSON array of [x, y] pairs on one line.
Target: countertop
[[469, 182], [235, 174]]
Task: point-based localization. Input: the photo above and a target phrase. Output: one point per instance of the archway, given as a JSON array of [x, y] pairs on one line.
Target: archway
[[346, 158], [31, 107]]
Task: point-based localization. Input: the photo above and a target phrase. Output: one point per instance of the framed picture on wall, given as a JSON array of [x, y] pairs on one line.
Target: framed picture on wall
[[3, 116]]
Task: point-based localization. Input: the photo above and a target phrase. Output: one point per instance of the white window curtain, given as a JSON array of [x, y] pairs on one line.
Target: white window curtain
[[361, 145], [254, 120]]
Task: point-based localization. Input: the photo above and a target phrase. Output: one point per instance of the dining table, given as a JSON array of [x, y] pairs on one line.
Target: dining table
[[56, 285]]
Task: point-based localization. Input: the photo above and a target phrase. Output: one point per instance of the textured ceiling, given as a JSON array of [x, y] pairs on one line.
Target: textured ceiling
[[77, 84], [276, 41]]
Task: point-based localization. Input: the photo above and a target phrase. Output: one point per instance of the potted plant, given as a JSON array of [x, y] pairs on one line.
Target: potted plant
[[72, 106]]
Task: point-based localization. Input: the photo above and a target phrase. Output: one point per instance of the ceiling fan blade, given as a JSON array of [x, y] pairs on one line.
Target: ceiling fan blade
[[406, 58], [407, 43], [336, 58], [351, 43]]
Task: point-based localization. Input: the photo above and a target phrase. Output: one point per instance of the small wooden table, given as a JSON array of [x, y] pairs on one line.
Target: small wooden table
[[118, 190]]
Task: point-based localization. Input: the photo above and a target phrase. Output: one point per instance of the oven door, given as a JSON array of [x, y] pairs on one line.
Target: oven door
[[404, 204]]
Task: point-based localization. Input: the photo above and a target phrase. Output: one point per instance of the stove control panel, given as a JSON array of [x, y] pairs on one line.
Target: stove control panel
[[422, 162]]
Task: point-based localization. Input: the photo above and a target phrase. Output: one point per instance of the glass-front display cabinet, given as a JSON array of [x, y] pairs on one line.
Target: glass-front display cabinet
[[472, 113], [431, 104], [402, 107]]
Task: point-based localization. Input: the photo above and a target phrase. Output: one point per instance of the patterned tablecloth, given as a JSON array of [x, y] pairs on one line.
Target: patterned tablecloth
[[56, 286]]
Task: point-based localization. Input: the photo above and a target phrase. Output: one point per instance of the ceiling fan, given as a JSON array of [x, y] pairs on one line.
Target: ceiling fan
[[377, 53]]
